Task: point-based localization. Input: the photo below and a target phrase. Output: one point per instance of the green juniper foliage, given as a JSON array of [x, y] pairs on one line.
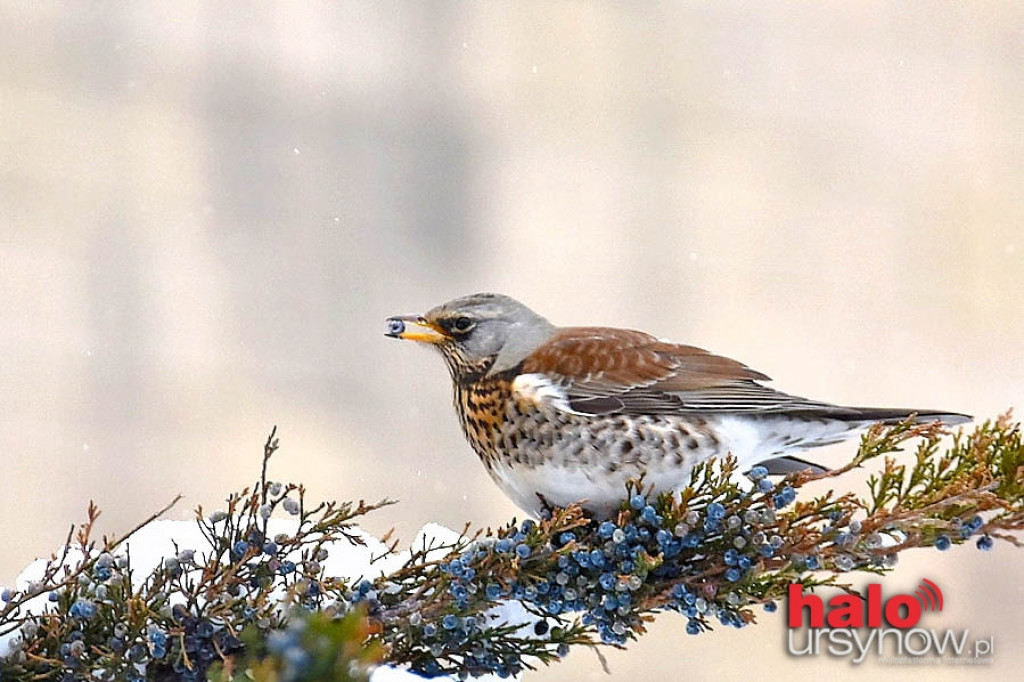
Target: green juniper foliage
[[252, 605]]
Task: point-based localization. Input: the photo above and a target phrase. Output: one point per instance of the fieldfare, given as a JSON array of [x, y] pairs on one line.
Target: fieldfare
[[560, 415]]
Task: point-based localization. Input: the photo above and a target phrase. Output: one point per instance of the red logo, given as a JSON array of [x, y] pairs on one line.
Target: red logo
[[900, 611], [930, 595]]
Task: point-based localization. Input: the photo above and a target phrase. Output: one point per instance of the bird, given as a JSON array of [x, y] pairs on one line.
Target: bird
[[570, 415]]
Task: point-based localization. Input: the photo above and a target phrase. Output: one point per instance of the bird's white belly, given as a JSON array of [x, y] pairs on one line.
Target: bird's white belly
[[581, 460], [586, 460], [532, 487], [549, 455]]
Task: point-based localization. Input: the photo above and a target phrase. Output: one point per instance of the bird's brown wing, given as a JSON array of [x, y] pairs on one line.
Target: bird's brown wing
[[620, 371]]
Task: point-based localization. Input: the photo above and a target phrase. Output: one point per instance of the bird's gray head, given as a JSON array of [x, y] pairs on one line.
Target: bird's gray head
[[475, 330]]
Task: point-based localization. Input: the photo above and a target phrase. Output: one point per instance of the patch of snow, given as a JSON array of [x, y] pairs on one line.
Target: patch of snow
[[162, 539]]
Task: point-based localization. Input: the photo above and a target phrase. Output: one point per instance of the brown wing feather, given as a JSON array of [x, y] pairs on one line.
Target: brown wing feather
[[607, 371], [623, 359]]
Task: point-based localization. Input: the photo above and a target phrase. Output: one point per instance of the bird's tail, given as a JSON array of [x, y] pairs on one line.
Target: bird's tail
[[894, 415], [773, 437]]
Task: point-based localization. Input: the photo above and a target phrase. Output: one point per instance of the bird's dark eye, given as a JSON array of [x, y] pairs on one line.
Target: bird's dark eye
[[462, 324]]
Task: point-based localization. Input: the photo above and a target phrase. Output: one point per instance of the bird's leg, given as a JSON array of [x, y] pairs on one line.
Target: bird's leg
[[546, 508]]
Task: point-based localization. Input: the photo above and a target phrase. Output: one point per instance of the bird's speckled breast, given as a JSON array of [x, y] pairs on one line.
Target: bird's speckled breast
[[481, 406], [535, 451]]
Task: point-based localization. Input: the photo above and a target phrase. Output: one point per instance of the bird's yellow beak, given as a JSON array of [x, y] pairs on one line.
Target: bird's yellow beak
[[414, 328]]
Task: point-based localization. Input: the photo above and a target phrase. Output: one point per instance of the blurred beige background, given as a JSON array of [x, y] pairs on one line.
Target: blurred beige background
[[208, 209]]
